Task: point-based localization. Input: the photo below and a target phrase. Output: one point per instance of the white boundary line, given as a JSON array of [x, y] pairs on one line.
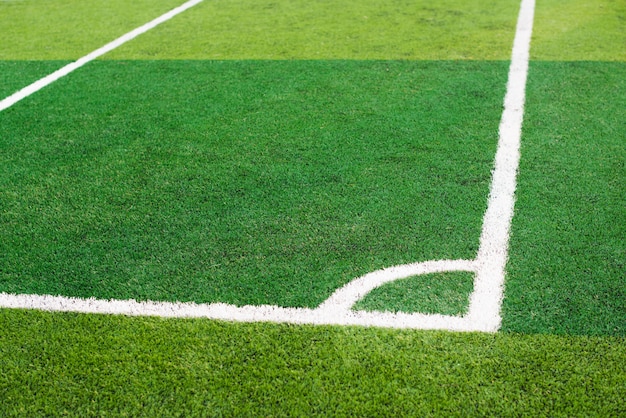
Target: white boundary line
[[51, 78], [489, 265]]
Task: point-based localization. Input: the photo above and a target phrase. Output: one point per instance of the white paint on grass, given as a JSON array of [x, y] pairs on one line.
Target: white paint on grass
[[51, 78], [489, 266], [486, 299], [257, 313]]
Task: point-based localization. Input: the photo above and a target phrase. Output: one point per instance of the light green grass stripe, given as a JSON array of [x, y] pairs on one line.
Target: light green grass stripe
[[76, 365], [69, 29], [344, 29], [580, 30]]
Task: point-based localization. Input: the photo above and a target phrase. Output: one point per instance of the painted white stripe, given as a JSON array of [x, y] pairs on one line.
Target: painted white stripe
[[222, 311], [51, 78], [486, 299], [489, 265]]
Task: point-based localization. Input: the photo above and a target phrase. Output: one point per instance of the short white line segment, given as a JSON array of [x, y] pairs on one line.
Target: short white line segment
[[489, 266], [51, 78]]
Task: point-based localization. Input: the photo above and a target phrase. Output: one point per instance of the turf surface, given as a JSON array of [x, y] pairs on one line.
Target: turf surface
[[567, 268], [248, 182], [579, 30], [322, 29], [69, 364], [67, 30], [438, 293], [14, 75]]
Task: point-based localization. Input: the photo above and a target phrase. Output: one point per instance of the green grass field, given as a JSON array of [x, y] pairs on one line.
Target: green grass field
[[269, 152], [297, 201]]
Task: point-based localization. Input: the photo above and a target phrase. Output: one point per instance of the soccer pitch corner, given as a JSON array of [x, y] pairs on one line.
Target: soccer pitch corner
[[488, 266], [272, 207]]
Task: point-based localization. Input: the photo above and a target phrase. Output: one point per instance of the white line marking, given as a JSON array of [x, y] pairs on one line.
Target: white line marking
[[486, 299], [489, 265], [51, 78], [222, 311], [344, 298]]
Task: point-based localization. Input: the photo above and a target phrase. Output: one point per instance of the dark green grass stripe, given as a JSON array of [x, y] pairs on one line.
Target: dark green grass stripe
[[57, 364], [15, 75], [567, 267], [244, 182], [437, 293]]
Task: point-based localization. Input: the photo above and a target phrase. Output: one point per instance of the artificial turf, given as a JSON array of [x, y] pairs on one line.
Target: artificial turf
[[322, 29], [247, 182], [86, 365], [579, 30], [66, 30], [565, 274], [437, 293], [14, 75], [567, 266]]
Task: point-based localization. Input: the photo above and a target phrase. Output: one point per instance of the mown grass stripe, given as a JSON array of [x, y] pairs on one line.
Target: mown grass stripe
[[346, 29], [93, 365]]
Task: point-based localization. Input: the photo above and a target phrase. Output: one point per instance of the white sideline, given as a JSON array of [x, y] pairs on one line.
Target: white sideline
[[489, 266], [51, 78]]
